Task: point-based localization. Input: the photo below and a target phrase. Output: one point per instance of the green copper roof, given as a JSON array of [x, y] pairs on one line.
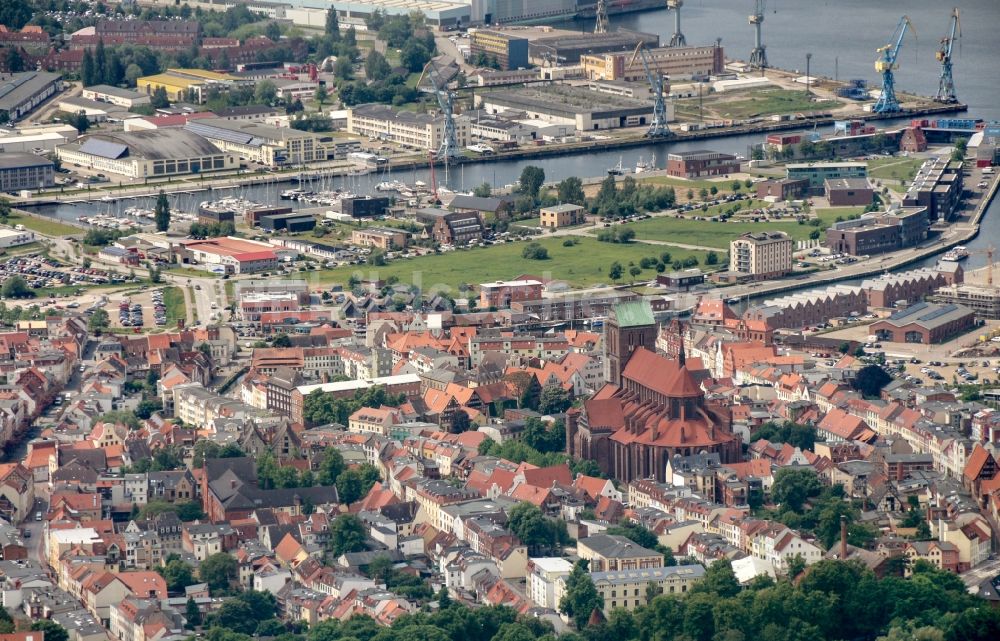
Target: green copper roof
[[634, 314]]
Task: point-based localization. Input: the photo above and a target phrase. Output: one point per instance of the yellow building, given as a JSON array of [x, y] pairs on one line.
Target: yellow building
[[189, 85], [562, 216], [674, 62]]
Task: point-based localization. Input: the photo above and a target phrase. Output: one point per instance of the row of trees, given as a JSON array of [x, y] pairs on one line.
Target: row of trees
[[320, 408], [351, 483]]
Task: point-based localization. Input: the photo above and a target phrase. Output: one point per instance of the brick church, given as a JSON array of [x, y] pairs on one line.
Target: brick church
[[650, 410]]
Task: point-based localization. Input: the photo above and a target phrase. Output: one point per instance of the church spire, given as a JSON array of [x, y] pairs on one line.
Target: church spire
[[681, 356]]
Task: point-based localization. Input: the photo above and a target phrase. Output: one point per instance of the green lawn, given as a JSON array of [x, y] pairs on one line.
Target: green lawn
[[43, 226], [687, 231], [894, 168], [173, 300], [763, 102], [581, 265]]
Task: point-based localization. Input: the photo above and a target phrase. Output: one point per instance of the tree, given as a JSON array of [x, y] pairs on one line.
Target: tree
[[795, 434], [961, 146], [347, 534], [581, 597], [15, 61], [343, 68], [330, 466], [53, 631], [534, 251], [159, 98], [161, 213], [570, 190], [192, 613], [615, 273], [554, 399], [414, 56], [332, 24], [793, 486], [634, 271], [377, 68], [16, 287], [177, 574], [99, 321], [532, 527], [711, 258], [14, 14], [132, 74], [265, 92], [322, 95], [353, 484], [870, 380], [484, 190], [281, 340], [218, 571], [531, 180], [636, 533]]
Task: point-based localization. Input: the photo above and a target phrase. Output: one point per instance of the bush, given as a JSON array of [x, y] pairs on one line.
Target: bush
[[534, 251]]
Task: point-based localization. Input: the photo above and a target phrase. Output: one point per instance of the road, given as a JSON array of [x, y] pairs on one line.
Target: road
[[980, 573]]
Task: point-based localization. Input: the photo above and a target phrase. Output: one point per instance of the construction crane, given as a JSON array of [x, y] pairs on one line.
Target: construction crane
[[886, 65], [602, 17], [946, 84], [658, 127], [678, 39], [988, 251], [448, 148], [758, 57]]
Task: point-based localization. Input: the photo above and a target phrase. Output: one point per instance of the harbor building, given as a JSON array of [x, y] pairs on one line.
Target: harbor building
[[701, 162], [25, 171], [190, 85], [264, 144], [20, 93], [925, 324], [568, 48], [762, 255], [116, 96], [145, 154], [509, 51], [817, 172], [879, 232], [564, 105], [419, 131], [677, 63]]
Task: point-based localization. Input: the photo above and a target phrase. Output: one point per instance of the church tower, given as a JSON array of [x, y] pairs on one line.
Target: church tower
[[629, 326]]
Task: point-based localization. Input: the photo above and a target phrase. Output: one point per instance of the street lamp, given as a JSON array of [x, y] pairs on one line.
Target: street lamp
[[808, 79]]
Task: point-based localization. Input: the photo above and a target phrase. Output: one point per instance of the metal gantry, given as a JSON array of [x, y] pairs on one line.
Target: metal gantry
[[602, 17], [448, 149], [758, 57], [678, 39], [658, 127], [886, 65], [946, 84]]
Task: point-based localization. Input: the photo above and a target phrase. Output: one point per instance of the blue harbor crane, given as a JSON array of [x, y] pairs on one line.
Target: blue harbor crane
[[946, 84], [886, 64], [658, 126]]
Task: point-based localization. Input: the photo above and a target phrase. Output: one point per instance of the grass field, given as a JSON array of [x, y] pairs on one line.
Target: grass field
[[894, 168], [687, 231], [43, 226], [759, 102], [173, 300], [581, 265]]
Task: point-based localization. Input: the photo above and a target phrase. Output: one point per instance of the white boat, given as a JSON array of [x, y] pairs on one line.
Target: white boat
[[107, 198], [956, 254], [642, 165]]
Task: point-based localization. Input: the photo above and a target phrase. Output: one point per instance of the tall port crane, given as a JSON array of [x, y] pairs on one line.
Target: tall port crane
[[946, 84], [446, 100], [658, 127], [886, 64], [602, 17], [678, 39], [758, 57]]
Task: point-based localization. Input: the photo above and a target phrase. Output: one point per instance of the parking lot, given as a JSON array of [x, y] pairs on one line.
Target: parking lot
[[140, 310], [40, 272]]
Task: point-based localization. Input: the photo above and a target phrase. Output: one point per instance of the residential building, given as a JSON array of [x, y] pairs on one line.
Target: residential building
[[501, 294], [938, 187], [384, 238], [546, 580], [878, 233], [628, 589], [557, 216], [762, 255], [613, 553], [419, 131]]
